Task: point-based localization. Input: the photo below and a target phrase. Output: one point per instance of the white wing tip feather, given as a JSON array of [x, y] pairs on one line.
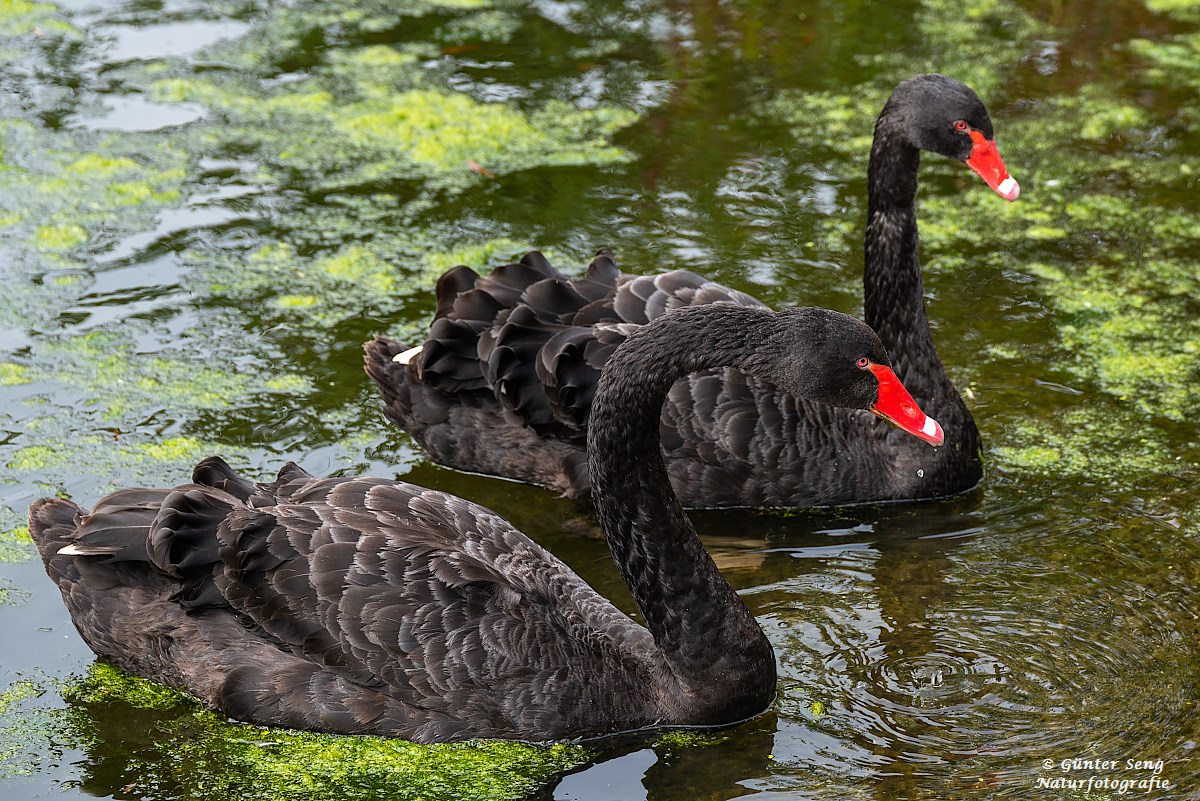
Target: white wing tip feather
[[406, 356]]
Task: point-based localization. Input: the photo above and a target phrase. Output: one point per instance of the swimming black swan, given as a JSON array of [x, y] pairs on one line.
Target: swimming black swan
[[370, 606], [504, 383]]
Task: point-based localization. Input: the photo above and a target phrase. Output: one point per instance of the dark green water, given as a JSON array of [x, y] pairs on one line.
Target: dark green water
[[205, 208]]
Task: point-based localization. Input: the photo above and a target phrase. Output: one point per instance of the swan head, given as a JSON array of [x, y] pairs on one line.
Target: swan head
[[833, 358], [945, 116]]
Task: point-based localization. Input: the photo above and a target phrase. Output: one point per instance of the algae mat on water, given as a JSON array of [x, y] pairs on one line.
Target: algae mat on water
[[371, 133], [184, 751]]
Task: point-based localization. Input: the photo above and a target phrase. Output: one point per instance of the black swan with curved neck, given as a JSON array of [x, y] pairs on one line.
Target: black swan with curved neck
[[504, 383], [363, 605]]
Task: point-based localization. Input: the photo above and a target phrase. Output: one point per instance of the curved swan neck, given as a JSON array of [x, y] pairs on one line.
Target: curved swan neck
[[893, 291], [706, 633]]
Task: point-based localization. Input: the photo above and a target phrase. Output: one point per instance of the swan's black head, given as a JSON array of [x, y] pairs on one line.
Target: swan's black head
[[944, 116], [832, 358]]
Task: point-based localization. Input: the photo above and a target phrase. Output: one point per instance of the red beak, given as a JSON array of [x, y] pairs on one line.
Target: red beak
[[897, 407], [985, 160]]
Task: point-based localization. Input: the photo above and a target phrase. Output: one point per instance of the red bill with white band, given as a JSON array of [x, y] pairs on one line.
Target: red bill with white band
[[897, 407], [985, 160]]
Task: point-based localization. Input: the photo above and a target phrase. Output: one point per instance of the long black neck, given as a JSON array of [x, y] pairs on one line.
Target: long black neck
[[894, 305], [707, 636], [893, 293]]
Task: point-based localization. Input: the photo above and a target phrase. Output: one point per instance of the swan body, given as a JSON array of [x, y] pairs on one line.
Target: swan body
[[503, 385], [373, 606]]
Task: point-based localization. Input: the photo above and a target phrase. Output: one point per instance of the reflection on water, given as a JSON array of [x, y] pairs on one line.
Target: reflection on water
[[209, 208]]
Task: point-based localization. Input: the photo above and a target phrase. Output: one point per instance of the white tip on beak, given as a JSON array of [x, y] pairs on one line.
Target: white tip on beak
[[933, 432], [1009, 189]]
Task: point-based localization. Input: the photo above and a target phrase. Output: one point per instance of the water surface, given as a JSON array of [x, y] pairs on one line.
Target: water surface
[[208, 207]]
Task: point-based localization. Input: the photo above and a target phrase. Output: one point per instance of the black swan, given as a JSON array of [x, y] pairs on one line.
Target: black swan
[[363, 605], [505, 380]]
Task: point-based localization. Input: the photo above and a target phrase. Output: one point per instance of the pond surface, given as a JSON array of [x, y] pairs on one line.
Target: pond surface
[[206, 208]]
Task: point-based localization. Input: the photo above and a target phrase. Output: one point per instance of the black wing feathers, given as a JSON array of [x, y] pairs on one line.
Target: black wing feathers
[[534, 341], [355, 605]]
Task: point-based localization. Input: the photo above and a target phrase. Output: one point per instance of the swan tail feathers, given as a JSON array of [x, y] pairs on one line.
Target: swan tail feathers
[[52, 524], [215, 472]]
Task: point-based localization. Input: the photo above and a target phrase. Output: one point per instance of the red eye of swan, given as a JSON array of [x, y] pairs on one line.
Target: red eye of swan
[[961, 125], [863, 361]]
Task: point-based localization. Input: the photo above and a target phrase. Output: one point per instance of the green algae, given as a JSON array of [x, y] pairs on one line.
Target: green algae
[[297, 301], [72, 204], [173, 449], [1094, 444], [485, 26], [1080, 235], [19, 17], [369, 116], [11, 594], [1183, 9], [326, 286], [107, 369], [1123, 283], [366, 114], [184, 750], [22, 730], [13, 374], [36, 457], [288, 383], [312, 292], [15, 545], [690, 738], [103, 682], [60, 236], [441, 133], [389, 135], [1121, 288], [479, 255]]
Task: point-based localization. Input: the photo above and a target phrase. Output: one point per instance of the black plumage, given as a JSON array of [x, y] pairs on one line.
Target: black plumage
[[505, 381], [368, 605]]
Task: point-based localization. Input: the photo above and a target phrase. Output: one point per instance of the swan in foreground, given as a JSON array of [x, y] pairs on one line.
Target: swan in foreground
[[374, 606]]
